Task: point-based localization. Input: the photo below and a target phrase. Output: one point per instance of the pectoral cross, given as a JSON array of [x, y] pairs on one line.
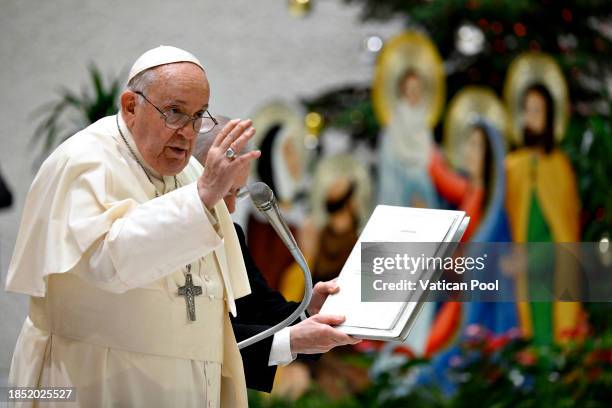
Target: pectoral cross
[[189, 290]]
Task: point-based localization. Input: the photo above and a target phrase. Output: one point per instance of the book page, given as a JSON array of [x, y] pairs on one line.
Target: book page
[[387, 224]]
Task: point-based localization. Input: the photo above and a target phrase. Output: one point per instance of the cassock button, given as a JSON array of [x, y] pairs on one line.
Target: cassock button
[[206, 278], [210, 297]]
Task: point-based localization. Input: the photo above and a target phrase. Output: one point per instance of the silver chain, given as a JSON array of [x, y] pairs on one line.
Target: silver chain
[[138, 161]]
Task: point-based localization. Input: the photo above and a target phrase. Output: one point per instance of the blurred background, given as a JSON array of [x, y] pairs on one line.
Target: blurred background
[[500, 108]]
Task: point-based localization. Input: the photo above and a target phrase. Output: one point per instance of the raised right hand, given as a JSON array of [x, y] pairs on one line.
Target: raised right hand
[[220, 172]]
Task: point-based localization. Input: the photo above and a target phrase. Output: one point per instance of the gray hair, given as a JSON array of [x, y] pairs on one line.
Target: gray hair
[[142, 82]]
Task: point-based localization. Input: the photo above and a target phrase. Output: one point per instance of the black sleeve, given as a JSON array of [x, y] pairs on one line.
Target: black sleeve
[[263, 306], [258, 374], [256, 312]]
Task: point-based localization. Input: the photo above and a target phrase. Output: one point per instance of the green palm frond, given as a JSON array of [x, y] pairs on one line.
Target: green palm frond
[[96, 100]]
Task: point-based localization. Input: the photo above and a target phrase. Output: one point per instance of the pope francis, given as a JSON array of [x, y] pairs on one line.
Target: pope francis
[[129, 255]]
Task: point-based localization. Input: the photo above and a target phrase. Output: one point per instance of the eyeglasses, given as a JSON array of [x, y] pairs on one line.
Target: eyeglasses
[[176, 120]]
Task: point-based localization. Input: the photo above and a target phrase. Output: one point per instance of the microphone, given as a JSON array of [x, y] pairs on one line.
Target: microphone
[[263, 199]]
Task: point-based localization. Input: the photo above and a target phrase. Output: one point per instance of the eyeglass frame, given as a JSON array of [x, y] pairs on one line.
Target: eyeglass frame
[[191, 118]]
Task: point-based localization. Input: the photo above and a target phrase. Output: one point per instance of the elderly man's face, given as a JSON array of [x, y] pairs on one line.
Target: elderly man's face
[[180, 86]]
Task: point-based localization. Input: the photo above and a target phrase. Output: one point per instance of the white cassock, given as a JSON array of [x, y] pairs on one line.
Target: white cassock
[[102, 260]]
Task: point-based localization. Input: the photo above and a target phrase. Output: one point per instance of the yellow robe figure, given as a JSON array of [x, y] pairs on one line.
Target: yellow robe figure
[[544, 186], [102, 260]]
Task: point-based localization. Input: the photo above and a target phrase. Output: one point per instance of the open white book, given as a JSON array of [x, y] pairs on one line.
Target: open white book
[[392, 320]]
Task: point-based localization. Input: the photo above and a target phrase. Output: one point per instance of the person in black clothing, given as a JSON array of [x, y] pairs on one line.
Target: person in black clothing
[[262, 309]]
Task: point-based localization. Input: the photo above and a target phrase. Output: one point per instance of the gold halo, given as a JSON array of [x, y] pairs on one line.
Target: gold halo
[[327, 171], [409, 50], [527, 69], [289, 116], [469, 104]]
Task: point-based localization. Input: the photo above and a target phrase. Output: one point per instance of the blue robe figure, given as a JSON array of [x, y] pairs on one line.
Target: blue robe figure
[[496, 317]]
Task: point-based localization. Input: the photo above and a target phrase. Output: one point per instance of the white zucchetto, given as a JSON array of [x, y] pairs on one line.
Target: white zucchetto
[[164, 54]]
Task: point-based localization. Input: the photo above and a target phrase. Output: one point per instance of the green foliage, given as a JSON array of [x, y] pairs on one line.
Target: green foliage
[[589, 146], [348, 108], [570, 31], [574, 33], [500, 372], [95, 101], [314, 398], [522, 375]]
